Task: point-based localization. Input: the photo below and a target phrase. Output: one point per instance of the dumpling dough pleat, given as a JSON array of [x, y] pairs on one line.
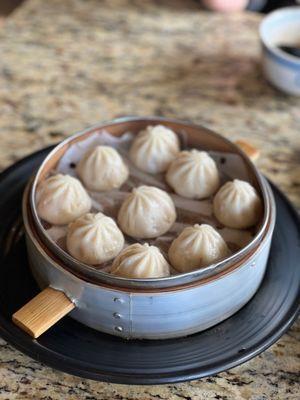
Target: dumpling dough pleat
[[237, 205], [61, 198], [154, 148], [102, 169], [147, 212], [140, 261], [94, 239], [193, 174], [196, 247]]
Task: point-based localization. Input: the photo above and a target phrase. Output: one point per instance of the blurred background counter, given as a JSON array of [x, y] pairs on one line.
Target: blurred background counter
[[66, 64]]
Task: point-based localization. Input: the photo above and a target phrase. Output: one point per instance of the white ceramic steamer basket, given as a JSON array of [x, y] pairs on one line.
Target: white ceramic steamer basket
[[160, 308]]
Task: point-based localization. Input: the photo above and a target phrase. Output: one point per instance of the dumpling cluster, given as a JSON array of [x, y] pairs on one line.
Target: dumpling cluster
[[61, 198], [154, 148], [102, 169], [196, 247], [94, 239], [140, 261], [237, 205], [193, 174], [147, 212]]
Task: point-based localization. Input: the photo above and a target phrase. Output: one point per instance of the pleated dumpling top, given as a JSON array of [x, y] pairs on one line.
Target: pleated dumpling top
[[140, 261], [94, 239], [237, 205], [154, 148], [196, 247], [147, 212], [193, 174], [102, 169], [60, 199]]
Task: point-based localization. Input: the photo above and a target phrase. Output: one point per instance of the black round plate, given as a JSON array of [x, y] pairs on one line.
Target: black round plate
[[72, 347]]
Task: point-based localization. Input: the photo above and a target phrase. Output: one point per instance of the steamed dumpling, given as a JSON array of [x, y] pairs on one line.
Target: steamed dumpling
[[193, 174], [94, 239], [154, 148], [140, 261], [237, 205], [61, 198], [147, 212], [102, 169], [196, 247]]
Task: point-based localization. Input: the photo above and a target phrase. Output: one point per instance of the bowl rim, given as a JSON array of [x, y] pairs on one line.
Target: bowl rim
[[281, 56], [173, 280]]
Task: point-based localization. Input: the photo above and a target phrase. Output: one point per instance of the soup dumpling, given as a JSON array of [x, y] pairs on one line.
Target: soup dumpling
[[193, 174], [147, 212], [196, 247], [94, 239], [102, 169], [140, 261], [237, 205], [154, 148], [60, 199]]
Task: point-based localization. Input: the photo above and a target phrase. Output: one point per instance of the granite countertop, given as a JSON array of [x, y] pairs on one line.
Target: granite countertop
[[66, 64]]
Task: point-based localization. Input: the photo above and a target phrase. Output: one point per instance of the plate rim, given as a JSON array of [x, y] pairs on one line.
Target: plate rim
[[38, 352]]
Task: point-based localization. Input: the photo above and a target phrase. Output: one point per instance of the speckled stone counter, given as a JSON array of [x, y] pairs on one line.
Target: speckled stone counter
[[66, 64]]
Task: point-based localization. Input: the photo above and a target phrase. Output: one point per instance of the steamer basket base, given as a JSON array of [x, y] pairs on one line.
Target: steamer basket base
[[159, 315]]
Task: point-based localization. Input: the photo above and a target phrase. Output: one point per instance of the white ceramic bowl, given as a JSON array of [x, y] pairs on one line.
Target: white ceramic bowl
[[281, 27]]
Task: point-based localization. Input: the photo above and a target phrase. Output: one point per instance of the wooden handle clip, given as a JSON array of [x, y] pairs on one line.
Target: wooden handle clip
[[251, 151], [43, 311]]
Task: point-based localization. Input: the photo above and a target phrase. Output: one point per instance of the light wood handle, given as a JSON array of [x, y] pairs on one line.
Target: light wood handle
[[43, 311], [251, 151]]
